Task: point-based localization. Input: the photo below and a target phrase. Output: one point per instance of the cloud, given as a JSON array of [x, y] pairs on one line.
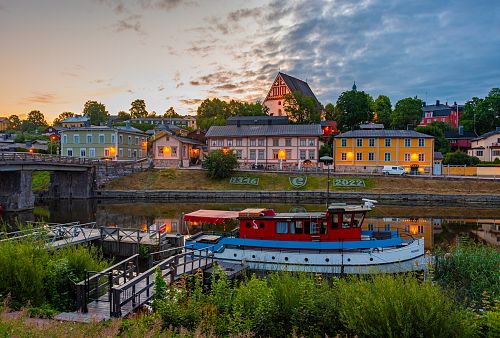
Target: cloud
[[161, 88], [190, 102], [166, 5], [178, 85], [132, 22], [41, 98]]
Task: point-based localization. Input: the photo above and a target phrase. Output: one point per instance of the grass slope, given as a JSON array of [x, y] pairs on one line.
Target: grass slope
[[40, 180]]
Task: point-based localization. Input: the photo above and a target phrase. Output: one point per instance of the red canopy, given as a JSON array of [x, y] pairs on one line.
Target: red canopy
[[211, 216]]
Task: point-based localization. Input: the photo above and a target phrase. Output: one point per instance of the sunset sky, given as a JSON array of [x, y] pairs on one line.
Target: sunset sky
[[57, 54]]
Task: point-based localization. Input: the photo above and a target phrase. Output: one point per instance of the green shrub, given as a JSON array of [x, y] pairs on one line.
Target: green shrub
[[44, 311], [221, 164], [460, 158]]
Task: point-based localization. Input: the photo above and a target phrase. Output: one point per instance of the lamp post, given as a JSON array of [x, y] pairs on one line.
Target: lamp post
[[281, 157], [327, 160]]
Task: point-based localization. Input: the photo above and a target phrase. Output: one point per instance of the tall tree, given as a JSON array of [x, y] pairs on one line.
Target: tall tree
[[440, 142], [329, 111], [171, 113], [382, 109], [353, 108], [63, 116], [138, 109], [14, 122], [37, 118], [483, 115], [408, 112], [96, 112], [301, 108], [122, 116]]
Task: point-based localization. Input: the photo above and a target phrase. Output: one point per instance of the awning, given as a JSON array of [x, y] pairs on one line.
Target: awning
[[211, 216]]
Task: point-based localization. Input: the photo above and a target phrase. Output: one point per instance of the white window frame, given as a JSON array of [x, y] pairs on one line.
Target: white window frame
[[76, 138], [343, 156], [343, 142], [359, 156], [359, 142], [83, 152], [68, 151], [103, 138], [371, 156], [407, 142], [387, 157], [421, 157], [421, 142], [387, 142], [371, 142], [89, 138], [91, 152]]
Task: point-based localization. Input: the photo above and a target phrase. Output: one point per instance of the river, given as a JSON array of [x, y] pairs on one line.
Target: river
[[439, 224]]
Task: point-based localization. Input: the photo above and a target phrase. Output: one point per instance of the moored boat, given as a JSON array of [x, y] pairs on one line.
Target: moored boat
[[330, 242]]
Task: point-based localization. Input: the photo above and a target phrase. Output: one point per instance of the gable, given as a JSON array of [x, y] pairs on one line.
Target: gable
[[278, 89]]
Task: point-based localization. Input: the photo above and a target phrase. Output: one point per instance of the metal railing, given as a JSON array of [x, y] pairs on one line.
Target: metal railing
[[44, 158], [130, 235]]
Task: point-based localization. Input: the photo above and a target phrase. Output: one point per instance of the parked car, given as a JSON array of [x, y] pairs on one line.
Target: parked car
[[393, 170]]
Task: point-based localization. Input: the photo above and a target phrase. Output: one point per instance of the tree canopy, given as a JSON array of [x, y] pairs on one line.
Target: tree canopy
[[138, 109], [171, 113], [440, 142], [353, 108], [221, 164], [382, 109], [123, 116], [301, 108], [37, 118], [407, 112], [96, 112], [329, 111], [14, 122], [63, 116], [483, 115]]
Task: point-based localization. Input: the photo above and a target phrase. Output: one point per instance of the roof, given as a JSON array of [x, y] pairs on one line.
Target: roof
[[488, 134], [180, 138], [383, 133], [104, 128], [372, 126], [254, 120], [2, 119], [297, 85], [438, 155], [453, 134], [211, 216], [265, 130], [75, 119], [129, 129], [441, 112]]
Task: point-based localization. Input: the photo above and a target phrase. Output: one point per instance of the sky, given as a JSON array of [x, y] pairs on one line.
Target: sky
[[57, 54]]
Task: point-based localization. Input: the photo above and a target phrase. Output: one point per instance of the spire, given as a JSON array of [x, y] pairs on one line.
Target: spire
[[354, 86]]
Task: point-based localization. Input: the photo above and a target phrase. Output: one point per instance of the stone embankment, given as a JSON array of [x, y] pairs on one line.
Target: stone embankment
[[292, 196]]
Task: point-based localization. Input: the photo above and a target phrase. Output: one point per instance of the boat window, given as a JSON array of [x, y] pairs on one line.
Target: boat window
[[357, 220], [247, 224], [324, 227], [314, 227], [262, 225], [307, 227], [298, 227], [281, 227], [346, 220], [335, 221], [292, 227]]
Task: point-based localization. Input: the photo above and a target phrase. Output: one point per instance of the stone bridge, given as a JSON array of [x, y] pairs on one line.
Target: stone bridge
[[71, 177]]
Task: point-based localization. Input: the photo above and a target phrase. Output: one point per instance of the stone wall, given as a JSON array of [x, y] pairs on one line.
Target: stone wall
[[109, 170]]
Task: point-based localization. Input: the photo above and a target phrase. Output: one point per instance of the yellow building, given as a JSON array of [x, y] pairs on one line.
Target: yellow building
[[371, 150]]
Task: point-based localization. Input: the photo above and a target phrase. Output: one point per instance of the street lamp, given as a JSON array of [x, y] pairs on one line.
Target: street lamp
[[281, 157], [327, 160]]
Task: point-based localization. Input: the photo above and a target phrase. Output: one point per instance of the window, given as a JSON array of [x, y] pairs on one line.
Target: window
[[129, 153], [314, 228], [261, 142], [229, 142], [359, 142], [335, 221], [359, 156], [239, 154], [407, 157], [120, 139], [312, 154], [495, 152], [421, 142], [387, 142], [302, 142], [91, 152], [220, 142], [370, 226], [239, 142], [101, 138], [302, 154], [83, 152], [76, 139], [106, 152], [137, 140], [371, 156], [69, 152], [214, 143], [276, 142], [479, 152], [65, 139], [421, 157], [387, 157], [288, 154], [312, 142], [288, 142], [371, 142], [174, 151], [292, 227], [343, 142], [120, 152], [343, 156], [89, 138], [279, 103], [253, 142], [140, 153], [299, 229], [129, 140], [252, 154], [261, 154], [113, 138], [134, 154], [407, 142], [281, 227], [387, 227], [275, 154]]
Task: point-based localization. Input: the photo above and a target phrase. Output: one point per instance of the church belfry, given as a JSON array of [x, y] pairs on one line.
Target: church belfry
[[354, 86]]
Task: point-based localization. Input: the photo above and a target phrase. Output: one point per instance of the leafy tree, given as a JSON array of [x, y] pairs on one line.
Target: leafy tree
[[123, 116], [408, 111], [63, 116], [301, 108], [460, 158], [171, 113], [329, 111], [138, 109], [483, 115], [152, 114], [440, 142], [221, 164], [383, 109], [37, 118], [353, 108], [14, 122], [96, 112]]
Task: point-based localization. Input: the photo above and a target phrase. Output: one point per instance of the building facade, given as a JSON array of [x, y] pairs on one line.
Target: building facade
[[171, 150], [75, 122], [487, 146], [184, 122], [104, 143], [441, 113], [460, 139], [370, 150], [271, 146], [285, 84], [4, 123]]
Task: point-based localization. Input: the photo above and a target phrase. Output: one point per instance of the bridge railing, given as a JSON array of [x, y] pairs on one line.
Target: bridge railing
[[72, 233], [139, 290], [44, 158], [130, 235], [34, 229]]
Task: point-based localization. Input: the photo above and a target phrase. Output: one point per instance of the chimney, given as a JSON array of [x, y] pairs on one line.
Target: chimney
[[437, 102]]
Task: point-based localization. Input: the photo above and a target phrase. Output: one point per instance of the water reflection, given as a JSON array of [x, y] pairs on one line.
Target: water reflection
[[439, 225]]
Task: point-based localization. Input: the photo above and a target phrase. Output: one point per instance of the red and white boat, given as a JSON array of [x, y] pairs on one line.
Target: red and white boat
[[330, 242]]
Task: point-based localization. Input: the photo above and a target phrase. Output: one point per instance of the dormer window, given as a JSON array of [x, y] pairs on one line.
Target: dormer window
[[279, 103]]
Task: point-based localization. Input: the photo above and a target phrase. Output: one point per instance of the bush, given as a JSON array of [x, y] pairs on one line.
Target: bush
[[221, 164], [460, 158]]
